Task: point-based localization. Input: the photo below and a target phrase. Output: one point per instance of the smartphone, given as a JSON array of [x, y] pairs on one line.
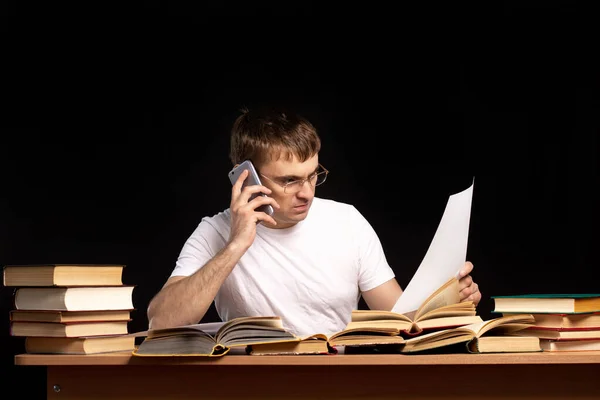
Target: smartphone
[[251, 179]]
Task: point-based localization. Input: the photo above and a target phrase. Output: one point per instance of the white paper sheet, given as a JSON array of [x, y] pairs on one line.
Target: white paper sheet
[[446, 254]]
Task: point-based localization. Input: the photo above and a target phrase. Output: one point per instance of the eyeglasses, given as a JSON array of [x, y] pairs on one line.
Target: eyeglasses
[[293, 187]]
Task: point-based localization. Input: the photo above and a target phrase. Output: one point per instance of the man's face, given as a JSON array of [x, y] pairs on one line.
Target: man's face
[[293, 206]]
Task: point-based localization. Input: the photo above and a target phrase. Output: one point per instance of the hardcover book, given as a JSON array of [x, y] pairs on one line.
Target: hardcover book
[[63, 275], [568, 303], [212, 339]]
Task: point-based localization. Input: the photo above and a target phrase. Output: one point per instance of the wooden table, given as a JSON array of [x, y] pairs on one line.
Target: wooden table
[[513, 376]]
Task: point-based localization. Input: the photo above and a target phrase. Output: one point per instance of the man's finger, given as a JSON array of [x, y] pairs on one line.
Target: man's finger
[[466, 269]]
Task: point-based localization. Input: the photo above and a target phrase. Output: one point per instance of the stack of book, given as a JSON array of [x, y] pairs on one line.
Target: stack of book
[[563, 322], [70, 309]]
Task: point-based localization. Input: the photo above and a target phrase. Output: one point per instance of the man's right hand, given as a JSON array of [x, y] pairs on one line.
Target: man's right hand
[[244, 216]]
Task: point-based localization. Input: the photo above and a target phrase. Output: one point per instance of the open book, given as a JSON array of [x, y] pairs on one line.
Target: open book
[[320, 343], [441, 310], [212, 339], [494, 335]]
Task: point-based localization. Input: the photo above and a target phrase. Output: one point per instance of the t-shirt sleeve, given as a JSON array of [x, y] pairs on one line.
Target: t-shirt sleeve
[[198, 249], [373, 269]]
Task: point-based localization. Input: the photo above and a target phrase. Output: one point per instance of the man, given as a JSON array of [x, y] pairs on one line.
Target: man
[[310, 262]]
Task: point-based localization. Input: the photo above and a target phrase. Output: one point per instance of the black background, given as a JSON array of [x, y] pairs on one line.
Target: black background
[[116, 119]]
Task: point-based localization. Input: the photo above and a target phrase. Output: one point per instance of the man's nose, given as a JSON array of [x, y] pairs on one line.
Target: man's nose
[[307, 188]]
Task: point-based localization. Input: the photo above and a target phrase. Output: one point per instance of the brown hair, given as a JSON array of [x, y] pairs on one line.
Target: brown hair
[[268, 134]]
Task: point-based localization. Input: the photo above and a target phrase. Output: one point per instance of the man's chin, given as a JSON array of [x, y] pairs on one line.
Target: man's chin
[[295, 218], [291, 219]]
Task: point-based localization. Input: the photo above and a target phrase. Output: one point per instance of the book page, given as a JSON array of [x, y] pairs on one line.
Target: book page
[[250, 326], [375, 315], [511, 323], [464, 308], [447, 295], [449, 322], [446, 254], [382, 323], [465, 332], [475, 329]]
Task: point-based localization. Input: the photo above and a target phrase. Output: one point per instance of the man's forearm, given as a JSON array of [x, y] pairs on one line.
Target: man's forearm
[[187, 300]]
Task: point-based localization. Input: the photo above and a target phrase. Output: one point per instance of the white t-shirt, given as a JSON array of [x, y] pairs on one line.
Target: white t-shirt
[[311, 274]]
